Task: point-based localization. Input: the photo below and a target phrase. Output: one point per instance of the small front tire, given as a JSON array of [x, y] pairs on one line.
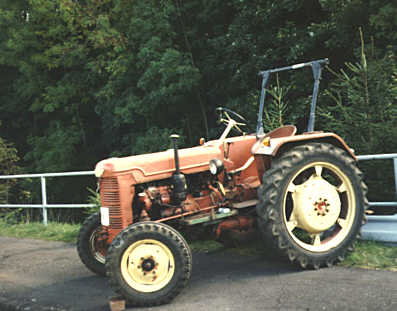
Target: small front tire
[[149, 263]]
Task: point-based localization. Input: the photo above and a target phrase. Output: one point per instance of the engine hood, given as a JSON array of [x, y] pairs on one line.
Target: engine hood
[[159, 165]]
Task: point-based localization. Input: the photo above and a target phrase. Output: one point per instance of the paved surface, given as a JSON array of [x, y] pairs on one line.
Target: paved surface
[[39, 275]]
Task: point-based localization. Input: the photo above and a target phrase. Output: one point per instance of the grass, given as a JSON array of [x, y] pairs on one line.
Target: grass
[[367, 255], [372, 255], [34, 230]]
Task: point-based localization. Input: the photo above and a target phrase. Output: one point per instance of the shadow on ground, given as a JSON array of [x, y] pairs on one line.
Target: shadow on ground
[[41, 275]]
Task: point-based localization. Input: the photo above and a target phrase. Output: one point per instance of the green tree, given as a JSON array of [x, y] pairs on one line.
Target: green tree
[[364, 113], [83, 80]]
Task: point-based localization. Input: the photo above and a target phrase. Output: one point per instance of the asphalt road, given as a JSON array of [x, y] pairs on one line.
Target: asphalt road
[[40, 275]]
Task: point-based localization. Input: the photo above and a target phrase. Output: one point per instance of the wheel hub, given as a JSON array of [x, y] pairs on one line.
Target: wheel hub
[[147, 265], [316, 205]]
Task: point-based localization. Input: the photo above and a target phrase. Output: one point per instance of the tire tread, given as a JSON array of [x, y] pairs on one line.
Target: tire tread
[[149, 227], [269, 219]]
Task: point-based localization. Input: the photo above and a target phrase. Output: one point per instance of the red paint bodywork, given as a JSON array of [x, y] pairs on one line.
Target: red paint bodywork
[[122, 174]]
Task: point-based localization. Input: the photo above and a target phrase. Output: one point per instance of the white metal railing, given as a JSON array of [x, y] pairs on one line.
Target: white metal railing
[[44, 205]]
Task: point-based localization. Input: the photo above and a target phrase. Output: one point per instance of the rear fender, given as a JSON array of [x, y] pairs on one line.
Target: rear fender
[[282, 144]]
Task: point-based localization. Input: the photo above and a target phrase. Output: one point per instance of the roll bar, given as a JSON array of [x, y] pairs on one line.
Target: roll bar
[[316, 68]]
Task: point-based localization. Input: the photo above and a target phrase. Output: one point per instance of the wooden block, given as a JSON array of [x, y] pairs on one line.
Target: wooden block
[[117, 304]]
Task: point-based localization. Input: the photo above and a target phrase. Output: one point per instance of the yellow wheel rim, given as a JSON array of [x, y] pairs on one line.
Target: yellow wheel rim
[[147, 265], [319, 207]]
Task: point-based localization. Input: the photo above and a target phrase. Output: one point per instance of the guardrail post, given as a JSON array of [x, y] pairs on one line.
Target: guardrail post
[[44, 199], [395, 176]]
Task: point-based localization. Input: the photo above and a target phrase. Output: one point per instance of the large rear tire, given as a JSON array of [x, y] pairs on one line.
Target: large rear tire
[[312, 204], [149, 263], [91, 247]]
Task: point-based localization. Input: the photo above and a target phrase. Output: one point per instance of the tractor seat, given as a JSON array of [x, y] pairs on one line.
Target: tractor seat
[[284, 131]]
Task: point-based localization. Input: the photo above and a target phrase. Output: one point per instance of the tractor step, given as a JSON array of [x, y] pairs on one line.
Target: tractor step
[[245, 204], [202, 218]]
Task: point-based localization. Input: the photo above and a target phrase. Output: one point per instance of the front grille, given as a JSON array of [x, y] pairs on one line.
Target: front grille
[[110, 198]]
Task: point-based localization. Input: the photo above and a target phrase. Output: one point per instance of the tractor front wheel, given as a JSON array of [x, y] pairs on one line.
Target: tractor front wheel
[[91, 245], [312, 204], [148, 263]]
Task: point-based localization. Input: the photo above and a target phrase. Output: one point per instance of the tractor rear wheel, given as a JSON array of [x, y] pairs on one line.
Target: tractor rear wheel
[[149, 263], [91, 245], [312, 204]]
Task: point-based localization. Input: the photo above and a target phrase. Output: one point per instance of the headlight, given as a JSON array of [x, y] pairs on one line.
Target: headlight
[[99, 170], [216, 166]]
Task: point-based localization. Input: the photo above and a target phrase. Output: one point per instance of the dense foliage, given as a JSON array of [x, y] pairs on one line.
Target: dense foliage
[[364, 111], [8, 160], [84, 80]]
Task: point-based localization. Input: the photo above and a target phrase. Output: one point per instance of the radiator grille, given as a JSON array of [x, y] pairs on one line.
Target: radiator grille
[[110, 197]]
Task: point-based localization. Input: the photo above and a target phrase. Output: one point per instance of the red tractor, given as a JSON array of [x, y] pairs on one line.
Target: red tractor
[[304, 193]]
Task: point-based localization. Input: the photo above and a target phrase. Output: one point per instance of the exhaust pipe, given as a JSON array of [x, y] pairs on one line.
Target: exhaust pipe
[[178, 179]]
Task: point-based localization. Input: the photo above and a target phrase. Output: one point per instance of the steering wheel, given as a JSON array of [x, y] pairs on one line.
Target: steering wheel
[[224, 117]]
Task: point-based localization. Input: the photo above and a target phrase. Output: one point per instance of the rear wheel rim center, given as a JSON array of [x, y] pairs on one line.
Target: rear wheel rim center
[[317, 205]]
